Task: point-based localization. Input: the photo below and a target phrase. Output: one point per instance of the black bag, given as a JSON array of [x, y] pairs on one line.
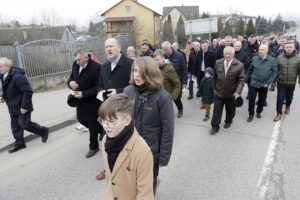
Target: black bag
[[72, 101]]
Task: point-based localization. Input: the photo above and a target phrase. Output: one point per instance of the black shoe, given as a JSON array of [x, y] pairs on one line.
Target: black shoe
[[272, 89], [45, 135], [180, 113], [190, 97], [227, 125], [213, 131], [265, 104], [258, 115], [250, 118], [16, 148]]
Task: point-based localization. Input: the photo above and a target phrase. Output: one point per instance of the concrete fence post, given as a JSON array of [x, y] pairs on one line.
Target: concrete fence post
[[19, 54]]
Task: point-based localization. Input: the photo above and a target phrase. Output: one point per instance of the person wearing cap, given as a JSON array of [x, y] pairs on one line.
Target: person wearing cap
[[261, 73], [206, 91], [228, 85]]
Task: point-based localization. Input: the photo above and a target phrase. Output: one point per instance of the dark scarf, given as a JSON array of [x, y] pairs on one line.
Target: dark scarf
[[141, 88], [113, 146]]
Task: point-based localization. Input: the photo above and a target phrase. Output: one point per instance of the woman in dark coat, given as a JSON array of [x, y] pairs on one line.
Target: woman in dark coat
[[153, 111]]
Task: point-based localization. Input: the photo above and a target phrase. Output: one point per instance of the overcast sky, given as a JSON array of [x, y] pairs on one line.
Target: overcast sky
[[80, 11]]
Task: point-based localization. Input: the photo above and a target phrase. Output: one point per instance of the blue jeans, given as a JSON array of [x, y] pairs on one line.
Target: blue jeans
[[284, 92]]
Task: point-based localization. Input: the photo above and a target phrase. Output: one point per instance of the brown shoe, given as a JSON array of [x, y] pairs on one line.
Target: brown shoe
[[287, 110], [101, 176], [277, 118], [91, 153]]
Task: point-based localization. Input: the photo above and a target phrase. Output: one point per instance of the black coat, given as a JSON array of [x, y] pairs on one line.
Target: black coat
[[118, 78], [209, 61], [216, 50], [192, 61], [17, 91], [184, 55], [87, 109], [251, 50], [243, 58], [180, 65]]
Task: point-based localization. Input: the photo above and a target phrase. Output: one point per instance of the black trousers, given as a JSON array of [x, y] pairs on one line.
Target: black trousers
[[262, 96], [178, 101], [155, 172], [94, 128], [218, 111], [20, 122], [284, 92]]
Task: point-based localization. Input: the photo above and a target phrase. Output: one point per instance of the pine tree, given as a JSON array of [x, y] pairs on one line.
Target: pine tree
[[228, 29], [250, 28], [261, 26], [220, 32], [167, 31], [240, 30], [269, 26], [180, 32], [278, 24]]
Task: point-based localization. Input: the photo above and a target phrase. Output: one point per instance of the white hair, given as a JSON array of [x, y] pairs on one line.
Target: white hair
[[5, 61], [229, 48], [166, 44]]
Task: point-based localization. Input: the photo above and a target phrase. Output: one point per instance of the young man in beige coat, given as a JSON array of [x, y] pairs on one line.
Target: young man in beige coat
[[128, 160]]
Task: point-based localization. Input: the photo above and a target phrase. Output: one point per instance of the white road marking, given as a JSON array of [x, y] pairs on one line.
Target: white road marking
[[263, 182]]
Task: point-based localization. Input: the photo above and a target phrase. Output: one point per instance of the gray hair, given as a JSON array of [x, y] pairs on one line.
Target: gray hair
[[5, 61], [229, 48], [114, 40], [81, 52], [166, 44], [131, 47]]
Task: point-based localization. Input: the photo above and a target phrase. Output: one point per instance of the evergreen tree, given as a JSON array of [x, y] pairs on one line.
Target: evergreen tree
[[204, 15], [261, 26], [167, 31], [180, 32], [220, 32], [269, 26], [228, 29], [250, 28], [240, 28], [278, 24]]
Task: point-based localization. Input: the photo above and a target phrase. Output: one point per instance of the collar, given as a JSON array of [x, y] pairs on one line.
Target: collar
[[115, 61], [263, 58]]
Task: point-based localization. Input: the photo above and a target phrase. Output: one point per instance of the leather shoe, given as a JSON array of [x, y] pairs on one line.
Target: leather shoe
[[250, 118], [190, 97], [91, 153], [277, 118], [227, 125], [45, 135], [180, 113], [258, 115], [16, 148], [214, 131], [287, 110], [101, 176]]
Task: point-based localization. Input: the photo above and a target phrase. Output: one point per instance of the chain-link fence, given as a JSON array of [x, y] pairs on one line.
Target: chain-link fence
[[49, 57]]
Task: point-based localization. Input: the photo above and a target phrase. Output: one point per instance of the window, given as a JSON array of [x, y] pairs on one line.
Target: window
[[127, 8]]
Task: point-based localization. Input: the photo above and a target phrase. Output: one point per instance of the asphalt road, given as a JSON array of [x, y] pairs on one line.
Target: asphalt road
[[235, 164]]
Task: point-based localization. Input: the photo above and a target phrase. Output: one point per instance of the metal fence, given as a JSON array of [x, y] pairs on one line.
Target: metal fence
[[49, 57]]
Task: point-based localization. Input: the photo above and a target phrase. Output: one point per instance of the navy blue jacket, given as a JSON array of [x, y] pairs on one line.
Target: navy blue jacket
[[179, 63], [17, 91]]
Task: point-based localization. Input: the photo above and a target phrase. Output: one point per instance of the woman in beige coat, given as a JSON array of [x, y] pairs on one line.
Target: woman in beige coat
[[128, 160]]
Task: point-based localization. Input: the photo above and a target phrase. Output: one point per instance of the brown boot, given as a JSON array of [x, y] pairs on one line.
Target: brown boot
[[277, 118], [101, 176], [287, 110]]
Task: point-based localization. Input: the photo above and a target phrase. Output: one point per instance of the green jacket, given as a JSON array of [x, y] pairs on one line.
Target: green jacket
[[288, 69], [171, 82], [261, 71], [206, 90]]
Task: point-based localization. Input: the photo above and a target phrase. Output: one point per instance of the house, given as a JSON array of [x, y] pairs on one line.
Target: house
[[27, 34], [130, 18], [175, 12]]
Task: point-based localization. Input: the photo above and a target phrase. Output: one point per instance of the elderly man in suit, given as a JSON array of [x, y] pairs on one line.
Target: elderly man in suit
[[17, 94], [229, 83], [83, 82]]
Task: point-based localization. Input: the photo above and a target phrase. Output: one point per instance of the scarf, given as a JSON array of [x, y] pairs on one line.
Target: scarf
[[141, 88], [113, 146]]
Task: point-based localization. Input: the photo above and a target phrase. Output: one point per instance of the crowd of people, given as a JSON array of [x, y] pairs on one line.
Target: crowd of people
[[127, 101]]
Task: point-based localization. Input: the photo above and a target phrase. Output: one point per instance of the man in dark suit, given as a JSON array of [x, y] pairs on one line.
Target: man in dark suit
[[83, 82], [17, 94], [114, 75]]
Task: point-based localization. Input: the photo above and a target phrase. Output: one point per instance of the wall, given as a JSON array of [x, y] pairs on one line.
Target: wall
[[49, 81]]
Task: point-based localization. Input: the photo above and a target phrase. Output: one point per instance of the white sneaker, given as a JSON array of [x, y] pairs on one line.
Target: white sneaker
[[80, 127]]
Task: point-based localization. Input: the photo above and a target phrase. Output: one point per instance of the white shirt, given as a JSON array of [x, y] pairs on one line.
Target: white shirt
[[81, 68], [114, 62], [4, 76], [226, 66], [203, 64]]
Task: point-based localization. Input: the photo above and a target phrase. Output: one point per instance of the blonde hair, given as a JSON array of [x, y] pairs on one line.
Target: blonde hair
[[149, 72]]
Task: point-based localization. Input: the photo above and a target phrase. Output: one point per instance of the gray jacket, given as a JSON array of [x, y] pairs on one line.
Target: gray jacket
[[154, 120]]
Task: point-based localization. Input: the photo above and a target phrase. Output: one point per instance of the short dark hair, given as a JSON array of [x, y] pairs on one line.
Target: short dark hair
[[117, 104]]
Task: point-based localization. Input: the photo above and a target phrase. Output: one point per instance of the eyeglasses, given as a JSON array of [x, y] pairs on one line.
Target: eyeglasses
[[109, 124]]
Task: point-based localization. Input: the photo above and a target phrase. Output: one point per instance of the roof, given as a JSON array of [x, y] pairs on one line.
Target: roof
[[155, 13], [118, 19], [185, 10], [27, 34]]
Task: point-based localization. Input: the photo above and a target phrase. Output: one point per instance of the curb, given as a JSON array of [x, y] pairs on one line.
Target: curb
[[52, 128]]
